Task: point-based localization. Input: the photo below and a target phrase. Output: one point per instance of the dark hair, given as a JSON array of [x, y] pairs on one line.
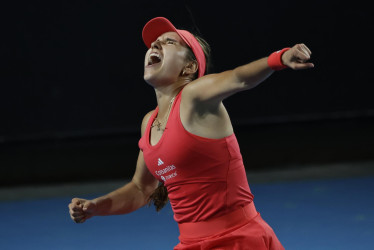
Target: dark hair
[[207, 51], [159, 198]]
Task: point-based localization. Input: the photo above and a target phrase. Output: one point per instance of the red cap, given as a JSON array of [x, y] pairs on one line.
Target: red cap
[[160, 25]]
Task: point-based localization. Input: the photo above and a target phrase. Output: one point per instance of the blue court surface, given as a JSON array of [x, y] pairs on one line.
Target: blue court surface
[[305, 214]]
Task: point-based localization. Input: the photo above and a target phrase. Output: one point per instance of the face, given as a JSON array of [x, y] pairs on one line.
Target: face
[[165, 60]]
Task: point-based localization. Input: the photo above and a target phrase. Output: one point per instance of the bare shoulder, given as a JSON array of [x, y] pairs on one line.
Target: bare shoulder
[[210, 90], [145, 121], [194, 90]]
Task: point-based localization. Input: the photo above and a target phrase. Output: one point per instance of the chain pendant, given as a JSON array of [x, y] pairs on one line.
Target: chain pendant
[[159, 124]]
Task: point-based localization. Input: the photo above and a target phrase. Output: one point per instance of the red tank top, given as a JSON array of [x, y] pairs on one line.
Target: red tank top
[[205, 178]]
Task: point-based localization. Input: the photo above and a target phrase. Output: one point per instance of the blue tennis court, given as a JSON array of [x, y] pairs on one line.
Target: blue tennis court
[[328, 213]]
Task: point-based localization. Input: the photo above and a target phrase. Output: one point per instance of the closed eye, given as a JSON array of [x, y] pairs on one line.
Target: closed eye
[[170, 41]]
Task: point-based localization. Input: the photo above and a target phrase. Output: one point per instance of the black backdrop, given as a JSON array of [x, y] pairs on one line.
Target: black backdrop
[[73, 69]]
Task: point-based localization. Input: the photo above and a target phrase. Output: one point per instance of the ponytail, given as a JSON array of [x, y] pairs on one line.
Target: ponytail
[[159, 198]]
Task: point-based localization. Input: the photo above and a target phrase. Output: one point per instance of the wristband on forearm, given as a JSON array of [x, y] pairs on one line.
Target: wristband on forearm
[[275, 60]]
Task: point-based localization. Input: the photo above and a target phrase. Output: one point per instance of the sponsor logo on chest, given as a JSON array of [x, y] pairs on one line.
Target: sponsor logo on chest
[[167, 172]]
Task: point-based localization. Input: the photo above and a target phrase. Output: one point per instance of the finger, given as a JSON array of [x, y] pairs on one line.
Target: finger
[[76, 208], [77, 214], [302, 52], [302, 55], [306, 49], [77, 201], [300, 66], [305, 53], [73, 205], [78, 219]]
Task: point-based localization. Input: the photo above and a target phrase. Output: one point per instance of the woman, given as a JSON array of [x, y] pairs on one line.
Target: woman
[[189, 146]]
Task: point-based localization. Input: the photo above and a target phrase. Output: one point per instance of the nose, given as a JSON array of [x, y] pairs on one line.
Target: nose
[[156, 44]]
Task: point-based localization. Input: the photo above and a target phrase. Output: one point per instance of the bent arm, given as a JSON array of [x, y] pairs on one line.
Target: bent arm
[[134, 194], [130, 197]]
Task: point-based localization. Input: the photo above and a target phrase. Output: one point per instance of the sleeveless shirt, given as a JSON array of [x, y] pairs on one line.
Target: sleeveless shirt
[[205, 178]]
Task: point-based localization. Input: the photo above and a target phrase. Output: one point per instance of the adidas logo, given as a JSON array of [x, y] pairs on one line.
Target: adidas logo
[[160, 162]]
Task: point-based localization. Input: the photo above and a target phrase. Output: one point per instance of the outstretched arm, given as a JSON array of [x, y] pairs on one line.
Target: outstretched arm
[[214, 88]]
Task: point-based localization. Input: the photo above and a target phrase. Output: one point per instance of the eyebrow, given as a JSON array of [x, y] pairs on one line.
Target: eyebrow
[[170, 39]]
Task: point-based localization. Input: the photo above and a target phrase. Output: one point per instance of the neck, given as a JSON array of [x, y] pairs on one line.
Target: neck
[[165, 95]]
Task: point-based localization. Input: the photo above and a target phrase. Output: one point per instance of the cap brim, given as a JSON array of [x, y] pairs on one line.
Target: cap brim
[[155, 28]]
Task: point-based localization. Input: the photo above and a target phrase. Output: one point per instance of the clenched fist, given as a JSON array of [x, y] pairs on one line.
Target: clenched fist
[[80, 209], [297, 57]]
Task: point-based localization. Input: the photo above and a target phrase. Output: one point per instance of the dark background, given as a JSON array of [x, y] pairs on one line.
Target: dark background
[[72, 94]]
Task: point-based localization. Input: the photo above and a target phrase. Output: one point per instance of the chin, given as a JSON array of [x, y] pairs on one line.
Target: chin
[[157, 78], [150, 79]]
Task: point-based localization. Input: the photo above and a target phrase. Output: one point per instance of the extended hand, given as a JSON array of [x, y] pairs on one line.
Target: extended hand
[[297, 57], [80, 210]]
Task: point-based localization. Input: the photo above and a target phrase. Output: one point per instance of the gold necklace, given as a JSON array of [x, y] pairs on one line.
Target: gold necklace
[[158, 123]]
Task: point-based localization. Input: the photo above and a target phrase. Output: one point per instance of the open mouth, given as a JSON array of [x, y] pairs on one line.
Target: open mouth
[[154, 58]]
